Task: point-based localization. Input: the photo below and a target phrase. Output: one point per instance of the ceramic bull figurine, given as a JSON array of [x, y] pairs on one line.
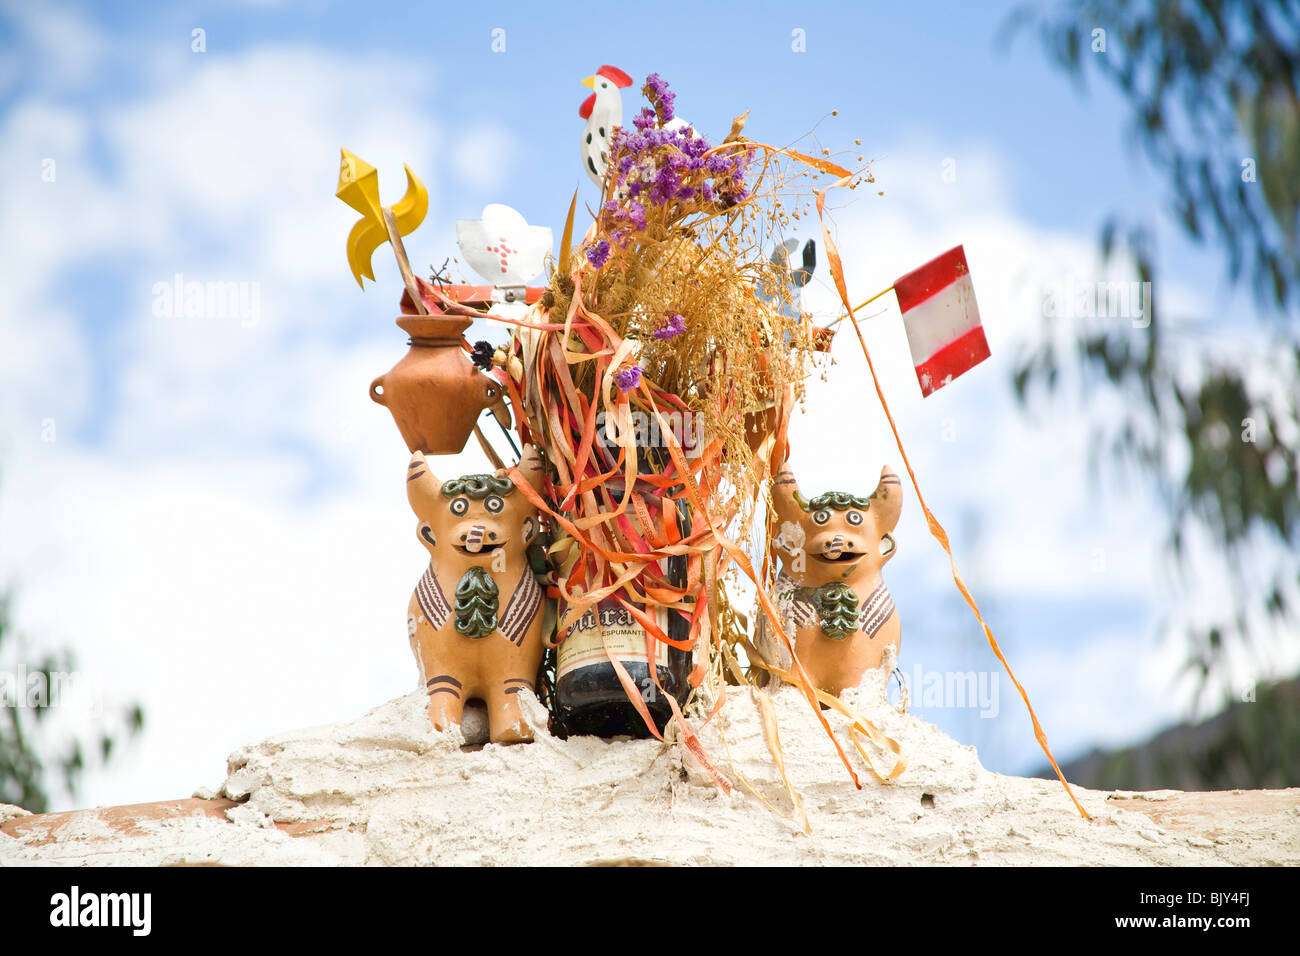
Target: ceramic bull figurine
[[836, 607], [475, 618]]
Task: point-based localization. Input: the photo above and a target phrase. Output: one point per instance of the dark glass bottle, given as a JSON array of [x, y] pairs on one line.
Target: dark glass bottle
[[589, 699]]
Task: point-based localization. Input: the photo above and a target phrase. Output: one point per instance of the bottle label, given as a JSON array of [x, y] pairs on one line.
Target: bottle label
[[622, 632]]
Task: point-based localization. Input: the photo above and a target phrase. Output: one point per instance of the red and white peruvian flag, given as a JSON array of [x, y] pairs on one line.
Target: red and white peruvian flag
[[942, 320]]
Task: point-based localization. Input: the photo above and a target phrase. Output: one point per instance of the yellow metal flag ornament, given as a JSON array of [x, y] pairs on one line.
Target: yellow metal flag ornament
[[359, 188]]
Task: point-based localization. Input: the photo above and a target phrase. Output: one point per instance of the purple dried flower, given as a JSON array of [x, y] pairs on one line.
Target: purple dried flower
[[718, 165], [733, 197], [628, 378], [669, 168], [657, 92], [675, 327], [598, 254], [665, 186], [636, 214]]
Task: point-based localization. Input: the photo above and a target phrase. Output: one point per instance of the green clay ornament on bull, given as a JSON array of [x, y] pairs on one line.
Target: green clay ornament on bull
[[837, 610], [476, 604]]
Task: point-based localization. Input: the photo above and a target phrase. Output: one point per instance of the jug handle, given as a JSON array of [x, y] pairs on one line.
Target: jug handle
[[377, 396]]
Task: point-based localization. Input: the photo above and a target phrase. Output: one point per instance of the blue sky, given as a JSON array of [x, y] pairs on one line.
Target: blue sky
[[217, 528], [887, 69]]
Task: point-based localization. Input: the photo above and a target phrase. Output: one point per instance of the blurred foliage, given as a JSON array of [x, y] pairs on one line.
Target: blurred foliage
[[1212, 88], [1253, 744], [1213, 427], [34, 758]]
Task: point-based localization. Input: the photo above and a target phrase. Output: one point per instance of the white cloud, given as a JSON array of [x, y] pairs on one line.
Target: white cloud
[[65, 51], [483, 155], [248, 145]]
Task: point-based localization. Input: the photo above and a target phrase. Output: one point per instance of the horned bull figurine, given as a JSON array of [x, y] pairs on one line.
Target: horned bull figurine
[[474, 619], [836, 608]]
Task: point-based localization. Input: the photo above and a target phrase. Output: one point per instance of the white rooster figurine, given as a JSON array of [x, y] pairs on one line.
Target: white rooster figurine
[[603, 110]]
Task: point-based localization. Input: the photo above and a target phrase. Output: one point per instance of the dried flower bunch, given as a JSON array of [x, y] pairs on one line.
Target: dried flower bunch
[[675, 262], [671, 307]]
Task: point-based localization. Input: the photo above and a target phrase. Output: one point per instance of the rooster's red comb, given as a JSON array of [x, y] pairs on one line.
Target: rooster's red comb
[[619, 78]]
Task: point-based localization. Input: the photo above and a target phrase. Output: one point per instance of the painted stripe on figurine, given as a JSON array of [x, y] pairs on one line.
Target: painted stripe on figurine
[[802, 612], [877, 609], [431, 599], [805, 615], [521, 609]]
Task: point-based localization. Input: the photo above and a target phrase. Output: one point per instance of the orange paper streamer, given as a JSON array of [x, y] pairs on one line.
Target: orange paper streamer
[[936, 529]]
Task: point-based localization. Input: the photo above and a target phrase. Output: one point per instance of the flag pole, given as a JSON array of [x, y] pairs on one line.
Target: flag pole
[[862, 306]]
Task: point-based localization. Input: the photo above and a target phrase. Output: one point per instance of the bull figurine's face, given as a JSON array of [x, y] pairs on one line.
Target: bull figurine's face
[[477, 519], [835, 536]]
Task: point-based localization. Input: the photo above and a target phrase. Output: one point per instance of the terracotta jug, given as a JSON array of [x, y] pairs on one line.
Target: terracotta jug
[[435, 393]]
